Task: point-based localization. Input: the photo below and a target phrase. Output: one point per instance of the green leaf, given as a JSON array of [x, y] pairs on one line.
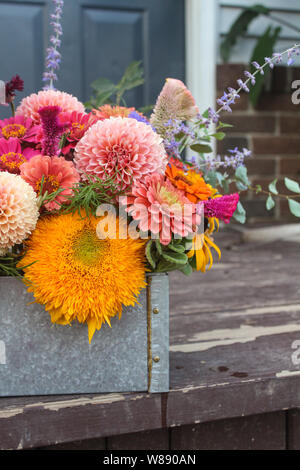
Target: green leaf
[[240, 214], [164, 266], [149, 254], [158, 246], [186, 269], [177, 258], [133, 77], [242, 175], [103, 85], [292, 185], [223, 125], [201, 148], [239, 28], [264, 48], [219, 135], [294, 207], [270, 203], [272, 187], [176, 247]]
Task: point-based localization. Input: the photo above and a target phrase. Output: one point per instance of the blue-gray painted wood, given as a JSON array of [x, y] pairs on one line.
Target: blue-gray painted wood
[[101, 38], [39, 358]]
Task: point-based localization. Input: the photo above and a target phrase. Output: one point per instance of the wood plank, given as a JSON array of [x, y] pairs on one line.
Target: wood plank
[[231, 356], [293, 429], [157, 439], [259, 432], [90, 444]]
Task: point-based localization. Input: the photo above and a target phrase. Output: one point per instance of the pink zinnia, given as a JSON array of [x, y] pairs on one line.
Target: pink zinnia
[[161, 208], [222, 208], [120, 148], [20, 127], [76, 126], [12, 156], [55, 173], [30, 105]]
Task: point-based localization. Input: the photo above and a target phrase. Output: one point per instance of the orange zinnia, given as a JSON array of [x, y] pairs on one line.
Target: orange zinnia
[[191, 182]]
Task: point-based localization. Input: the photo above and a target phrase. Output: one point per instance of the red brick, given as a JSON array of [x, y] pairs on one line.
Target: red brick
[[290, 125], [295, 72], [277, 102], [228, 74], [252, 123], [279, 79], [257, 209], [261, 166], [276, 145], [290, 166], [230, 143]]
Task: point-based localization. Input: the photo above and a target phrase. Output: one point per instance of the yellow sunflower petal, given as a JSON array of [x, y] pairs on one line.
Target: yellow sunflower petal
[[78, 276]]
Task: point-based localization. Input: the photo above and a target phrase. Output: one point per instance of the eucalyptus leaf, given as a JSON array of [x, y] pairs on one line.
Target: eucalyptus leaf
[[272, 187], [240, 213], [292, 185], [294, 207], [270, 203]]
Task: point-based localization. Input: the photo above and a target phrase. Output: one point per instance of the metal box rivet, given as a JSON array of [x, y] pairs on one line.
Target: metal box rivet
[[156, 359], [156, 310]]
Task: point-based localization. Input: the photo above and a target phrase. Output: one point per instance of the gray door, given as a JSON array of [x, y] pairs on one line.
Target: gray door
[[101, 37]]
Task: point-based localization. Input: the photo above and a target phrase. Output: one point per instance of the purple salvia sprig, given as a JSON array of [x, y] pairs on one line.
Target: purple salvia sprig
[[229, 98], [235, 160], [175, 127], [53, 57]]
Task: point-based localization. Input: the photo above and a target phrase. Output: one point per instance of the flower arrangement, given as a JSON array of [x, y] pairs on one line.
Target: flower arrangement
[[91, 201]]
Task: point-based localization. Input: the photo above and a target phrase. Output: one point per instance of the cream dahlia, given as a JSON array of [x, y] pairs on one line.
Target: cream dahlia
[[30, 105], [18, 210], [122, 148], [50, 174]]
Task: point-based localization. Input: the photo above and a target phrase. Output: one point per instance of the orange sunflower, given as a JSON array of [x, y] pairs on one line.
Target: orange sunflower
[[191, 182], [82, 271], [202, 244]]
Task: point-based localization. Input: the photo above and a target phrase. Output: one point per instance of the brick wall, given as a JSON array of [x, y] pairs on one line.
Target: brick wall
[[271, 131]]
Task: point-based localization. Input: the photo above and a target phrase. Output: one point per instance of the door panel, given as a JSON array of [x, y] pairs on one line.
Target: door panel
[[101, 37]]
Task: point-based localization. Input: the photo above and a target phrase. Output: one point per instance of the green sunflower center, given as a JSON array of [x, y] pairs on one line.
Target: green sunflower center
[[88, 249]]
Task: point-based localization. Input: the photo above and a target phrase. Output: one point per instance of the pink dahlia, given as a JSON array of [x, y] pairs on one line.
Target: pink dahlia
[[12, 156], [161, 208], [50, 174], [175, 102], [18, 211], [76, 126], [222, 208], [30, 105], [20, 127], [122, 148]]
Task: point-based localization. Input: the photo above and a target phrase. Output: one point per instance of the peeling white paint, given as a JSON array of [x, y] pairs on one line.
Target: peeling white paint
[[287, 373], [224, 337]]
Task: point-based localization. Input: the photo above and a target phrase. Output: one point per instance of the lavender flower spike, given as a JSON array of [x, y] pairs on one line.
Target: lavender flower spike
[[53, 57]]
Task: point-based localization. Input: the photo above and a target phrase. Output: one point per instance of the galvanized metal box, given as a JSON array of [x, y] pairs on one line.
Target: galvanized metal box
[[39, 358]]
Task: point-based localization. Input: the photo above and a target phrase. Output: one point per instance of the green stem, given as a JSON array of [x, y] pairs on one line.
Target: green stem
[[12, 105], [269, 193]]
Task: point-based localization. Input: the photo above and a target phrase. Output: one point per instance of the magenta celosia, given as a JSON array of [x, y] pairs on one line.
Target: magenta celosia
[[22, 128], [52, 130], [12, 156], [222, 208], [120, 148], [161, 208]]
